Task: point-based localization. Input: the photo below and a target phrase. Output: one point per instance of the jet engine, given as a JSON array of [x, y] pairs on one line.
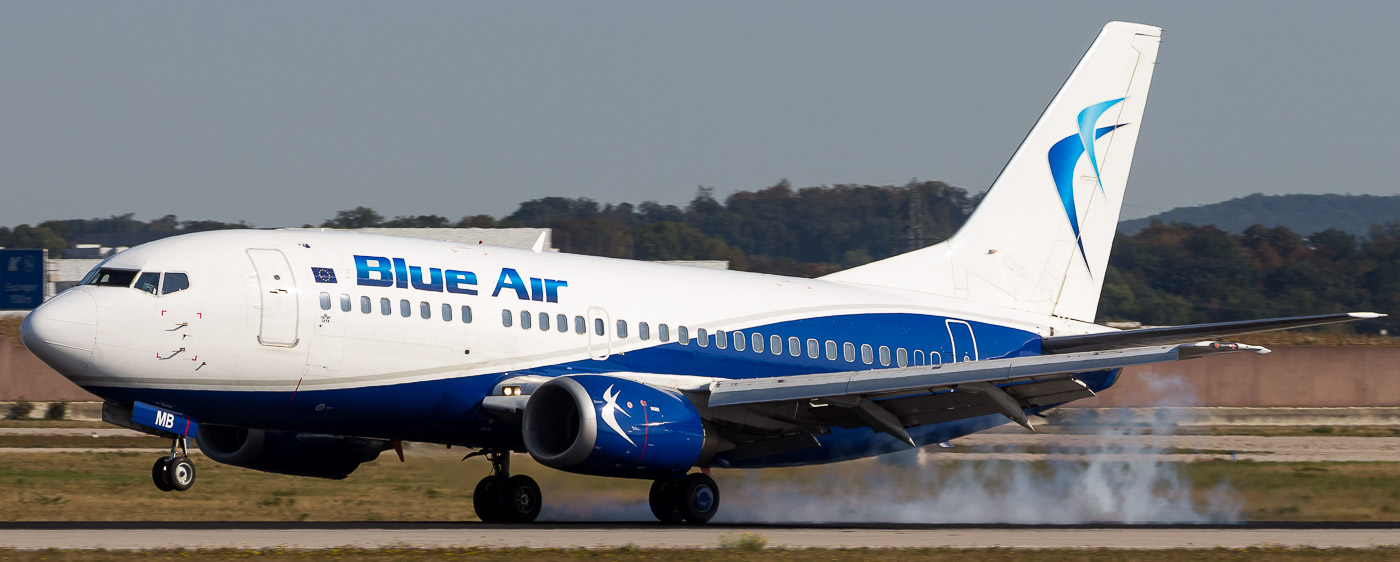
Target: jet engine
[[287, 452], [610, 426]]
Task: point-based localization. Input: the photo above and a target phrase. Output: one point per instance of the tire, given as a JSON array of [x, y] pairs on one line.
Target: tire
[[158, 473], [180, 475], [486, 499], [698, 500], [521, 500], [663, 499]]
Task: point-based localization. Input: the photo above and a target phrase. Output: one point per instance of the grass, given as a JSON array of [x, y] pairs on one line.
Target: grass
[[9, 328], [432, 486], [1296, 431], [115, 441], [93, 424], [723, 554]]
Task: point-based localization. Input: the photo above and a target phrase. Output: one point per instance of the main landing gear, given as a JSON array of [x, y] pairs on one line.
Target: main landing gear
[[693, 499], [500, 497], [174, 472]]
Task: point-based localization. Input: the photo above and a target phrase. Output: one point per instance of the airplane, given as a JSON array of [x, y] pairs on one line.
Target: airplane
[[312, 352]]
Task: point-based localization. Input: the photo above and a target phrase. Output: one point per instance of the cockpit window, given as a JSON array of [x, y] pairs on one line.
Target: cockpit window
[[147, 282], [108, 277], [87, 279], [174, 282]]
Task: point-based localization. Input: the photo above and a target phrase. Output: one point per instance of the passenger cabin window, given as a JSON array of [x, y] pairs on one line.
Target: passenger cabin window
[[813, 348], [405, 308], [561, 322], [740, 341], [580, 325], [757, 340], [345, 303], [524, 320], [830, 350], [544, 321], [683, 335], [325, 301], [884, 356], [702, 338], [108, 277], [507, 319], [664, 332], [866, 354], [776, 344], [425, 310], [150, 280], [366, 305], [848, 351], [721, 339], [622, 329], [385, 308], [446, 312], [174, 282], [794, 346], [643, 330], [598, 327], [901, 357], [466, 314]]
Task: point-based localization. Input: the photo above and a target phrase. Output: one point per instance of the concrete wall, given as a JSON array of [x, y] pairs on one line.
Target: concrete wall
[[1308, 377], [24, 377], [1301, 376]]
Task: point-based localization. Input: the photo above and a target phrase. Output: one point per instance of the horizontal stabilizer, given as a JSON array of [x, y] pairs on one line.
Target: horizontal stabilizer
[[1194, 332]]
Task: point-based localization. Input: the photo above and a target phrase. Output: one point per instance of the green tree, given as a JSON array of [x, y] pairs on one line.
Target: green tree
[[359, 217]]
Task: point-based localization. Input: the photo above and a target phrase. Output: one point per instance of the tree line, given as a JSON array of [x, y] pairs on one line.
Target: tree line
[[1165, 274]]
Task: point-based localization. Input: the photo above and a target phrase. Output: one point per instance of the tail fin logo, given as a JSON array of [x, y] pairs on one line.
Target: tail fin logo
[[1064, 157]]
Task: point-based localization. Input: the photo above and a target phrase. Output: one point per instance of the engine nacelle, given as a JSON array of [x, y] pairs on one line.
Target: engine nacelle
[[597, 424], [287, 452]]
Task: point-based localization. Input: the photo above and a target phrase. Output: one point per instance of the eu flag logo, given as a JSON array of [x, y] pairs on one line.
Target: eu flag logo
[[323, 274]]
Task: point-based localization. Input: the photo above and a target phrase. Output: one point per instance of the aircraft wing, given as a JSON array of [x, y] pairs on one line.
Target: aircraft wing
[[767, 415], [1192, 332]]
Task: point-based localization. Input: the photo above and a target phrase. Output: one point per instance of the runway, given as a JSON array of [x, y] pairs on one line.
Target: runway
[[148, 535]]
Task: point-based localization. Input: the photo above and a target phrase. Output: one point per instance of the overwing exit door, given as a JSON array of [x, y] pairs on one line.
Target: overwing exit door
[[964, 342], [277, 298], [599, 334]]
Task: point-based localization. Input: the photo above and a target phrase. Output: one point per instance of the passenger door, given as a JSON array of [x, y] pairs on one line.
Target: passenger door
[[277, 291]]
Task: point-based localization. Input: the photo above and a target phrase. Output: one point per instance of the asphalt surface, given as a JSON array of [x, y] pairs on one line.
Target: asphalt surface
[[147, 535]]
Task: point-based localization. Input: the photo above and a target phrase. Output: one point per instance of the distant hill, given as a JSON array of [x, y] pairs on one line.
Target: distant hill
[[1303, 214]]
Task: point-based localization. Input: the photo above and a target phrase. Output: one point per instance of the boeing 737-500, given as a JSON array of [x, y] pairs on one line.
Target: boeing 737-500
[[310, 353]]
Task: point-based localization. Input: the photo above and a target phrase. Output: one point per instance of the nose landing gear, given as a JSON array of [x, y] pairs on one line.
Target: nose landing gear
[[501, 497], [175, 472]]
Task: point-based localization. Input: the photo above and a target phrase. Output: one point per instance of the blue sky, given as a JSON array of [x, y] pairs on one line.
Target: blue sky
[[282, 113]]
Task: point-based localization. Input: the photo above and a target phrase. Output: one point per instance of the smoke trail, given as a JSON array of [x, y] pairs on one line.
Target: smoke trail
[[1117, 475]]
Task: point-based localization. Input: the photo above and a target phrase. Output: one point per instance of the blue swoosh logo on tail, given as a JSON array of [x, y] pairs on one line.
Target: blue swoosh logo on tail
[[1064, 155]]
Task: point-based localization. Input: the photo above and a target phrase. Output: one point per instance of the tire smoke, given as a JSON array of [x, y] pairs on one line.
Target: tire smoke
[[1120, 475]]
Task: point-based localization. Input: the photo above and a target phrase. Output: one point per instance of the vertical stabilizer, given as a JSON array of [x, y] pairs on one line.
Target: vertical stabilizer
[[1039, 241]]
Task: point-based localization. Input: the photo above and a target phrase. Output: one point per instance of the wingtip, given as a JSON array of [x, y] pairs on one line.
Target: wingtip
[[1366, 315]]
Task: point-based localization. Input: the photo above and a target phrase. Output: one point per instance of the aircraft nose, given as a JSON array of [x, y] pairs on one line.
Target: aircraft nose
[[61, 332]]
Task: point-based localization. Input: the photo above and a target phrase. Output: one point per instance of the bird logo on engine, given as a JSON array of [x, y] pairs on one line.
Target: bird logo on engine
[[610, 411]]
